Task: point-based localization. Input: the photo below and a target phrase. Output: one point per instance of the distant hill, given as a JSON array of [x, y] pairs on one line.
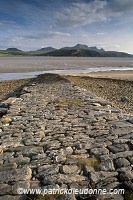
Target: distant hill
[[84, 47], [78, 46], [13, 49], [86, 53], [79, 50], [46, 49], [96, 49], [115, 54], [74, 52]]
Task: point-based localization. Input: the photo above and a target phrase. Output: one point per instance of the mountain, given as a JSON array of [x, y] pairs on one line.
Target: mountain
[[76, 47], [13, 49], [115, 54], [74, 52], [86, 53], [84, 47], [78, 50], [96, 49], [46, 50]]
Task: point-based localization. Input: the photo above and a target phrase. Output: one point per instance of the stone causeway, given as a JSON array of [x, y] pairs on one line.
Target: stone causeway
[[57, 135]]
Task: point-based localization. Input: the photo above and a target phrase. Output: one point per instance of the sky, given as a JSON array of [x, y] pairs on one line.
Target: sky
[[34, 24]]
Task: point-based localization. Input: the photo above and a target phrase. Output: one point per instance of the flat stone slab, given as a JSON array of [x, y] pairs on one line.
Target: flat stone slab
[[15, 175]]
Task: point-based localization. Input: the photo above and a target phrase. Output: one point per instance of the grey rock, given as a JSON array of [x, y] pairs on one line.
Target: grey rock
[[131, 160], [9, 166], [60, 159], [108, 165], [17, 197], [15, 175], [20, 184], [130, 120], [99, 151], [53, 169], [68, 169], [117, 148], [66, 151], [3, 111], [95, 177], [129, 185], [126, 176], [109, 197], [104, 183], [123, 154], [124, 99], [32, 150], [5, 189], [10, 100], [122, 162], [62, 178]]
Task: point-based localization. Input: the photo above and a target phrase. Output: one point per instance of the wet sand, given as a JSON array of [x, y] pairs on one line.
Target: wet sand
[[120, 75], [18, 64]]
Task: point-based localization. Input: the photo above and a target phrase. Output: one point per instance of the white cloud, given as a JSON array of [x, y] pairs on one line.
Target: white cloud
[[34, 41], [83, 13], [80, 14], [57, 33], [116, 45], [100, 33], [121, 5]]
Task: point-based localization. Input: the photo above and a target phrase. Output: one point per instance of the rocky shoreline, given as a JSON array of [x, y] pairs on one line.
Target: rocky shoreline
[[12, 87], [118, 92], [55, 134]]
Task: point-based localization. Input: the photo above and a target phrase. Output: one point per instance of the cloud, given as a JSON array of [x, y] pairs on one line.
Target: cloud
[[57, 33], [100, 33], [121, 6], [47, 34], [32, 23], [116, 45], [8, 25], [78, 14], [83, 13], [29, 41]]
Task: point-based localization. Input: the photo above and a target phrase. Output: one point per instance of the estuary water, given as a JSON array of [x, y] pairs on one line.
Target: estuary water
[[12, 68]]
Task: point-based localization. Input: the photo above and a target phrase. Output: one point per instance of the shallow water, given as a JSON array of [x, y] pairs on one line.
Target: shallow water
[[15, 76], [12, 68]]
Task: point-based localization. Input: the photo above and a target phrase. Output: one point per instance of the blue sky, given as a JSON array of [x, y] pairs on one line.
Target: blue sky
[[33, 24]]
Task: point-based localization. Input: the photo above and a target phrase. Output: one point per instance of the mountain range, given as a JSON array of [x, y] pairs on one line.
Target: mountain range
[[78, 50]]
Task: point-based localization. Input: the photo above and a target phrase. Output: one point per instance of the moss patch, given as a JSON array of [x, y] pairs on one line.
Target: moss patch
[[90, 163]]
